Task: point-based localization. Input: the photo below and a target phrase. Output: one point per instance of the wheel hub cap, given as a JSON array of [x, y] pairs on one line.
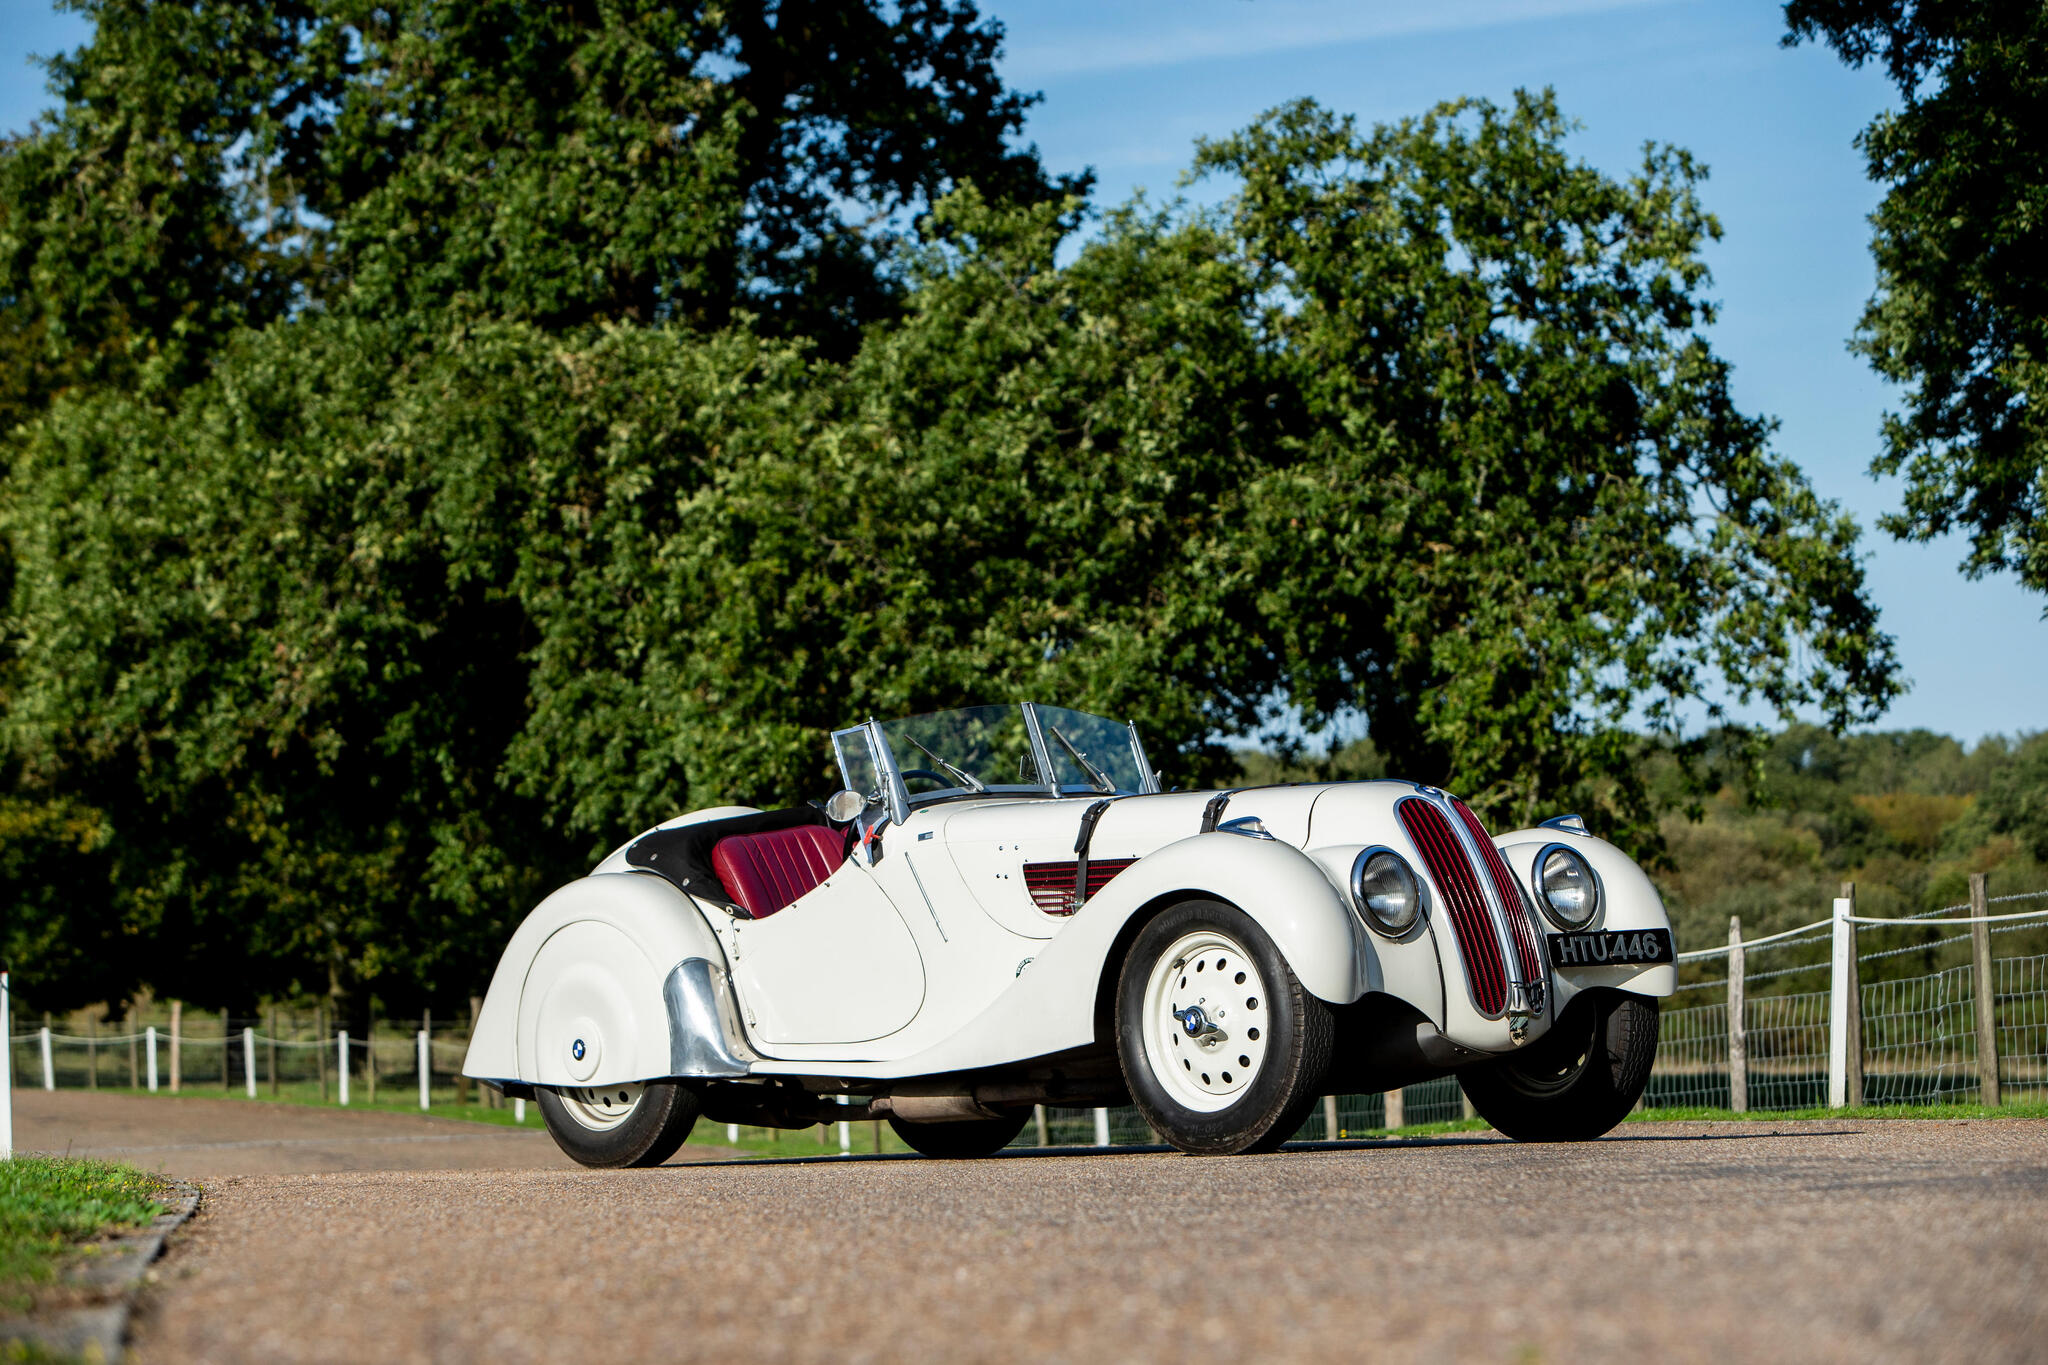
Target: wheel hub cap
[[1205, 1020]]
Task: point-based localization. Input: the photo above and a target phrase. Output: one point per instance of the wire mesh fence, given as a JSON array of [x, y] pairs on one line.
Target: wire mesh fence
[[1916, 1035], [275, 1055]]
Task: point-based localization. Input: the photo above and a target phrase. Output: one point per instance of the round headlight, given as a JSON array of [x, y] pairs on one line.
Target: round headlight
[[1569, 894], [1387, 891]]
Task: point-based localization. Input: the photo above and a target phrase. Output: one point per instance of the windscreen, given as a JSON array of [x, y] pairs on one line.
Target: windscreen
[[1090, 753], [974, 748]]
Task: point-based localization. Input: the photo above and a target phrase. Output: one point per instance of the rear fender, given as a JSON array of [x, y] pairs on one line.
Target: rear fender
[[613, 978]]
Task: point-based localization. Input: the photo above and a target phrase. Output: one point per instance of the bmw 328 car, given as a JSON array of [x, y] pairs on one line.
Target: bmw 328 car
[[1002, 908]]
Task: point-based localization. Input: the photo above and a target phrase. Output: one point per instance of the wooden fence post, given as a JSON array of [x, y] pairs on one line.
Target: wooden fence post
[[272, 1049], [1397, 1110], [1986, 990], [177, 1027], [1329, 1118], [461, 1079], [1738, 1022], [226, 1027], [1037, 1119], [134, 1078], [92, 1052], [320, 1045], [370, 1055]]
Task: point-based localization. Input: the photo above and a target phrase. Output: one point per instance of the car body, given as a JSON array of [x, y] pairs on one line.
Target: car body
[[959, 945]]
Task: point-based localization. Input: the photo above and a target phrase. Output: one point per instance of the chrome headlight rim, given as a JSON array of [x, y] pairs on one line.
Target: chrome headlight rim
[[1418, 888], [1542, 897]]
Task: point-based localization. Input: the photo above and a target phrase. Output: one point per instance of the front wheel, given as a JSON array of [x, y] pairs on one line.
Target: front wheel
[[1222, 1049], [1578, 1080], [638, 1123]]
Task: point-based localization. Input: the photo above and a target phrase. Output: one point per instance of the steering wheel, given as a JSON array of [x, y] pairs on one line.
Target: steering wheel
[[928, 775]]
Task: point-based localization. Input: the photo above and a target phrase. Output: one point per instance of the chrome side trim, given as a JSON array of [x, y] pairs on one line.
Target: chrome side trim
[[1570, 824], [704, 1037]]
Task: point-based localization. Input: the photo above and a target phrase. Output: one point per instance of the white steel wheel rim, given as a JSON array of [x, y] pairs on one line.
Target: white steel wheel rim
[[1207, 1060], [601, 1108]]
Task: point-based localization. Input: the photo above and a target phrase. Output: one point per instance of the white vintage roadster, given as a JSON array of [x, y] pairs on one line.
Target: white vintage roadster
[[1002, 908]]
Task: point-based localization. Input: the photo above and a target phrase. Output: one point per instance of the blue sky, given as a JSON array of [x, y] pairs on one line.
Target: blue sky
[[1130, 85]]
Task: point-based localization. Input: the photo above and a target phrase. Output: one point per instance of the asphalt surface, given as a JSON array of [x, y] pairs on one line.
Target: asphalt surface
[[1846, 1241]]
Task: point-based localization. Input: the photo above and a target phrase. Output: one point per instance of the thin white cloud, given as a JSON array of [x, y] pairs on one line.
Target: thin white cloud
[[1124, 37]]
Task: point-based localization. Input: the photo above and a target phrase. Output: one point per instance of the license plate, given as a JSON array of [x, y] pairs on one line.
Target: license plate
[[1611, 948]]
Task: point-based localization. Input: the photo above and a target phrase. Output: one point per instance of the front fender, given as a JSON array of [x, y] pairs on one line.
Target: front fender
[[1275, 883], [622, 963], [1628, 900]]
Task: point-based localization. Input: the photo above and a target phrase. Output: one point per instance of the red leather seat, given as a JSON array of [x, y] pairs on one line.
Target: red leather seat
[[765, 872]]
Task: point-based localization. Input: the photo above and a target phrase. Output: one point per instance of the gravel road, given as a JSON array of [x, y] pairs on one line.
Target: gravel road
[[1844, 1241], [198, 1137]]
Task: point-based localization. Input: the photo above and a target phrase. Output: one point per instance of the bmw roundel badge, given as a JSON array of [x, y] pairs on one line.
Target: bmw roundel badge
[[576, 1049]]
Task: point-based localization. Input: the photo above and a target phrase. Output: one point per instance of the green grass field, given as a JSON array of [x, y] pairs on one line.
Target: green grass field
[[49, 1204]]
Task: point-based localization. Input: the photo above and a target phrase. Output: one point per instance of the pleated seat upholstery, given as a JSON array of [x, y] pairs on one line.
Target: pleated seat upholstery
[[766, 872]]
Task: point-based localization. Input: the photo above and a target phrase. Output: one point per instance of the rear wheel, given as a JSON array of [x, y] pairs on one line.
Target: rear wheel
[[1578, 1080], [1222, 1049], [638, 1123], [961, 1138]]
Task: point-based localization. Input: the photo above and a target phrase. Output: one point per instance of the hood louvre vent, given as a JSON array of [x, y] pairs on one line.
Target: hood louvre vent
[[1052, 884]]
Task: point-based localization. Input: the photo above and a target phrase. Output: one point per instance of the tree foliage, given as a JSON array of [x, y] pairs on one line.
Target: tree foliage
[[1961, 242], [599, 457]]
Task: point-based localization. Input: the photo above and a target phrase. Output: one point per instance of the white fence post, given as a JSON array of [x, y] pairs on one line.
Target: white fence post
[[149, 1039], [6, 1069], [1840, 983], [1102, 1128], [249, 1061], [845, 1132], [426, 1076], [732, 1134], [49, 1071], [341, 1051]]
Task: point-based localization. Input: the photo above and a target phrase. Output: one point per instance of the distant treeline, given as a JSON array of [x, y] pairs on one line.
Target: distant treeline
[[1770, 829]]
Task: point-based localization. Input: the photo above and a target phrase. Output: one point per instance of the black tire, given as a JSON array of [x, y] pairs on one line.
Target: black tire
[[659, 1122], [1297, 1036], [961, 1138], [1578, 1080]]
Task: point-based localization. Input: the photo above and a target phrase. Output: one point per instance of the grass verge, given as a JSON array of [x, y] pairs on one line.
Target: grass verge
[[48, 1204]]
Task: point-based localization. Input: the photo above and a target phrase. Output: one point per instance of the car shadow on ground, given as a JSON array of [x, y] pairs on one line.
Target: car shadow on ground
[[1296, 1148]]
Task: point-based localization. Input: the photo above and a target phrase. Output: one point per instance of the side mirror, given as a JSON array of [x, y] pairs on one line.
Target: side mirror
[[845, 806]]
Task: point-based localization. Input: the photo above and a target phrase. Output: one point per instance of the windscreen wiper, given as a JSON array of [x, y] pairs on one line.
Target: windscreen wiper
[[1096, 777], [967, 779]]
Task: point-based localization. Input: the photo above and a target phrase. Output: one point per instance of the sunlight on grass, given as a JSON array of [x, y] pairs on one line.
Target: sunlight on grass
[[47, 1203]]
